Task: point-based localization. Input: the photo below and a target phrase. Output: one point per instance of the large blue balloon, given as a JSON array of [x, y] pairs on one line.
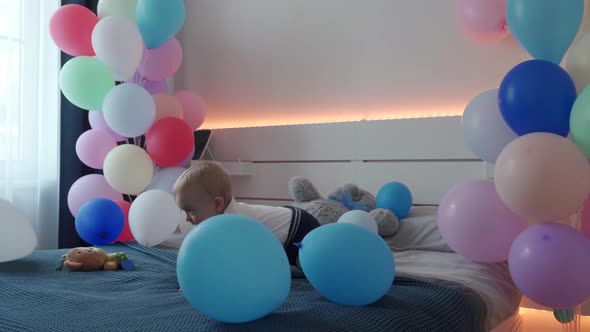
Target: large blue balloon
[[545, 28], [159, 20], [100, 221], [395, 197], [537, 96], [347, 263], [233, 269]]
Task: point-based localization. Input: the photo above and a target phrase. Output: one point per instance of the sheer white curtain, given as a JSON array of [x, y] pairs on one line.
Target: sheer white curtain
[[29, 114]]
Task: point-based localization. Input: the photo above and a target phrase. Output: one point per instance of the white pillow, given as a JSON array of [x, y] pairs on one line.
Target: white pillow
[[419, 231]]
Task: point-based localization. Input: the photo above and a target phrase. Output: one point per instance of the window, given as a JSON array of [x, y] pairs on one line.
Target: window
[[29, 114], [11, 48]]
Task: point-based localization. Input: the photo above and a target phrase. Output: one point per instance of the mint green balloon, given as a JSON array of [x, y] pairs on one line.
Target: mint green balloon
[[125, 8], [85, 81], [580, 121]]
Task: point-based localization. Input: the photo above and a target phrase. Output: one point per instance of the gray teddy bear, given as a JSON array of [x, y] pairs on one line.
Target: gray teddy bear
[[346, 198]]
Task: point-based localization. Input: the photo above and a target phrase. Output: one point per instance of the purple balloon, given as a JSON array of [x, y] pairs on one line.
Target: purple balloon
[[155, 87], [550, 264], [476, 224], [97, 121], [90, 187]]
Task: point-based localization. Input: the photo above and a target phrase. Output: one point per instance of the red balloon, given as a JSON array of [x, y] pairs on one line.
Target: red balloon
[[126, 234], [71, 29], [169, 141]]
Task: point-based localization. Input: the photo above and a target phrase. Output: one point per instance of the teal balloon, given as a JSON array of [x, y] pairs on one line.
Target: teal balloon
[[564, 316], [233, 269], [159, 20], [545, 28], [347, 264]]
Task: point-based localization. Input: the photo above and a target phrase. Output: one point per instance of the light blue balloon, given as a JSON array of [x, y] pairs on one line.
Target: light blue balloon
[[159, 20], [347, 264], [395, 197], [545, 28], [485, 132], [233, 269]]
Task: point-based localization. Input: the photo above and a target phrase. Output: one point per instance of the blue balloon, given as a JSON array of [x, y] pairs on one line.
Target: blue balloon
[[545, 28], [100, 221], [347, 263], [159, 20], [233, 269], [537, 96], [395, 197]]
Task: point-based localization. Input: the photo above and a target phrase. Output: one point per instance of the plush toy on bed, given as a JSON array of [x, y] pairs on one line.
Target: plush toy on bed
[[346, 198], [94, 259]]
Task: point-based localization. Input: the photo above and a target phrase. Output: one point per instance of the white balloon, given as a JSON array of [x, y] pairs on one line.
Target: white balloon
[[186, 227], [118, 43], [165, 179], [153, 217], [17, 238], [129, 110], [578, 62], [360, 218]]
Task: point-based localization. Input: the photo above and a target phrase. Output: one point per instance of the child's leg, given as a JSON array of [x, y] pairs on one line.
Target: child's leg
[[301, 223]]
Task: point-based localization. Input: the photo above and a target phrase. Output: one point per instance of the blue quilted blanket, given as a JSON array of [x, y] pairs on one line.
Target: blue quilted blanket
[[35, 297]]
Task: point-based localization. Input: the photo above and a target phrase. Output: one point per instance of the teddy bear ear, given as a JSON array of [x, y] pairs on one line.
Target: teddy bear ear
[[73, 265], [302, 190]]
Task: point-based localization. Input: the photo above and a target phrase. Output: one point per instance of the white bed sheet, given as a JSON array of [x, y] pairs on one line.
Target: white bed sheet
[[421, 252]]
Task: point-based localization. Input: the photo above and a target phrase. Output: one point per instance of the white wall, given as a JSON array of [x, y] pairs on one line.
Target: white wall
[[260, 62], [428, 155]]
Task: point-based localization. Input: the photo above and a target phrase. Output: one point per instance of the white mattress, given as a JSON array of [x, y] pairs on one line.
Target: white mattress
[[421, 252]]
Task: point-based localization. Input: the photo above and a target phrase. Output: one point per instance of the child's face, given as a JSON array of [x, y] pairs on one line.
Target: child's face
[[198, 207]]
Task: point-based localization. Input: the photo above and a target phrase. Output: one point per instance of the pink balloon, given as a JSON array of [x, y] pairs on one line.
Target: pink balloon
[[90, 187], [193, 108], [585, 218], [97, 121], [542, 176], [482, 20], [476, 224], [93, 146], [167, 106], [162, 62], [71, 28]]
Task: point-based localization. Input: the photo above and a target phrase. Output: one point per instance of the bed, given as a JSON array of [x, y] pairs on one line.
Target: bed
[[434, 290]]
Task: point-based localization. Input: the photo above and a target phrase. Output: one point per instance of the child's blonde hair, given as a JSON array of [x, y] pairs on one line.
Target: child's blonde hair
[[208, 176]]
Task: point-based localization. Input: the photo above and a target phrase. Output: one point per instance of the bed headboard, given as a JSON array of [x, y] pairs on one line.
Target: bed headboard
[[427, 154]]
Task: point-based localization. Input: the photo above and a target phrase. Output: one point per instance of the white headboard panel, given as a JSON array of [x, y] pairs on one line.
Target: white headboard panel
[[426, 154]]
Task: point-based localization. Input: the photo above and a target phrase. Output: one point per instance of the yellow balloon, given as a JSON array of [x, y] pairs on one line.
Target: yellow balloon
[[128, 169]]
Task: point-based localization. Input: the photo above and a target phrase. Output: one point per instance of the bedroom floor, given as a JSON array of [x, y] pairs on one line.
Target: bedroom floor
[[532, 320]]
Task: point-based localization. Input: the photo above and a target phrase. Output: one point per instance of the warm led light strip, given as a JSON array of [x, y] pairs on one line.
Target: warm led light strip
[[330, 119]]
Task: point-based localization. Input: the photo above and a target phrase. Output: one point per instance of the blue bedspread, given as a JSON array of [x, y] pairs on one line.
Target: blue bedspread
[[36, 297]]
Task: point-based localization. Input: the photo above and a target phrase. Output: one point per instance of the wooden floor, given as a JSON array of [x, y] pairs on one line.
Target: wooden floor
[[534, 320]]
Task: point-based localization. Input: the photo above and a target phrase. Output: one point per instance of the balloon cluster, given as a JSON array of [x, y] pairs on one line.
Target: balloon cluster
[[345, 262], [141, 136], [536, 212]]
